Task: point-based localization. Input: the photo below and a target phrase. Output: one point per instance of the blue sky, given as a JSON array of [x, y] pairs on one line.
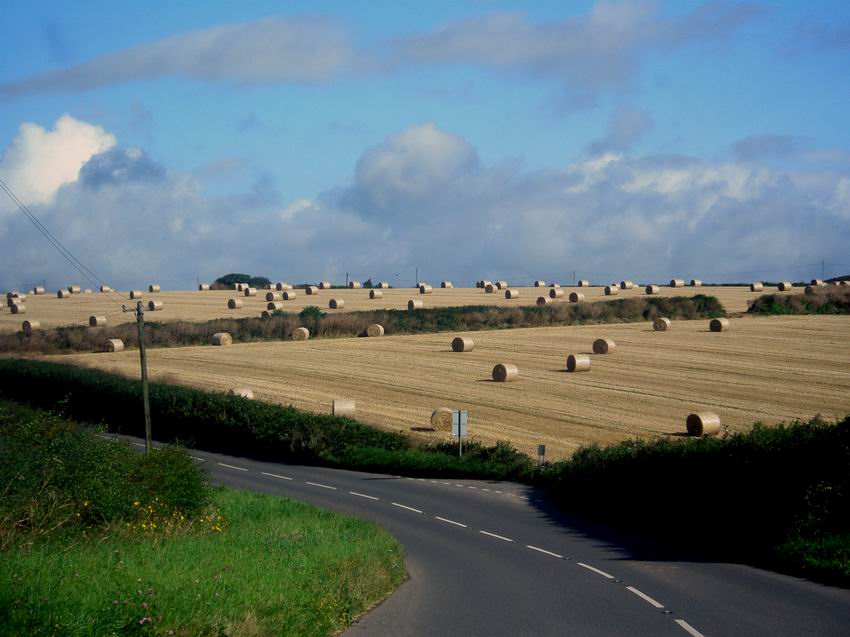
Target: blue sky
[[723, 125]]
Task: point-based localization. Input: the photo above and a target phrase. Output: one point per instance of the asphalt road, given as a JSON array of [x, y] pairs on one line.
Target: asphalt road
[[489, 558]]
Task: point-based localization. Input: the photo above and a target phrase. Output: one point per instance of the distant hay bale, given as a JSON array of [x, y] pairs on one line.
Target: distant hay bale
[[653, 289], [576, 297], [375, 294], [375, 330], [240, 287], [273, 296], [311, 290], [343, 408], [282, 286], [74, 289], [222, 339], [135, 295], [324, 285], [18, 308], [355, 285], [810, 289], [87, 291], [155, 306], [97, 321], [441, 419], [611, 290], [677, 283], [719, 325], [154, 288], [696, 283], [289, 295], [242, 392], [626, 285], [62, 294], [425, 288], [265, 314], [785, 286], [12, 295], [336, 304], [203, 287], [234, 304], [661, 324], [484, 283], [502, 285], [489, 288], [603, 346], [113, 345], [383, 285], [413, 304], [28, 327], [504, 372], [543, 300], [250, 291], [300, 334], [583, 283], [757, 286], [462, 344], [511, 294], [556, 293], [844, 283], [38, 291], [704, 423], [446, 285], [554, 285], [578, 363], [540, 283], [816, 282], [274, 306]]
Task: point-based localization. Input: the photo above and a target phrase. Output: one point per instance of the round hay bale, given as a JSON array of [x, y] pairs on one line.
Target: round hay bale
[[375, 330], [28, 327], [603, 346], [283, 287], [785, 286], [446, 285], [425, 288], [135, 295], [554, 285], [242, 392], [704, 423], [343, 408], [300, 334], [273, 306], [844, 282], [203, 287], [355, 285], [74, 289], [484, 283], [240, 287], [501, 285], [462, 344], [250, 291], [576, 297], [38, 291], [756, 286], [383, 285], [556, 293], [62, 294], [221, 339], [543, 300], [311, 290], [504, 372], [583, 283], [289, 295], [441, 419], [18, 308], [511, 294], [273, 296], [155, 306], [677, 283], [375, 294], [87, 291], [816, 282], [106, 288], [627, 285], [661, 324], [540, 283], [265, 314], [413, 304], [153, 288], [12, 295], [234, 304], [696, 283], [336, 304], [97, 321], [578, 363], [113, 345], [653, 289], [719, 325], [611, 290], [324, 285], [489, 288]]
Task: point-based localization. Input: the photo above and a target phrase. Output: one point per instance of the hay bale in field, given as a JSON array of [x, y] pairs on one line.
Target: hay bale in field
[[106, 288], [556, 293], [343, 407], [311, 290], [462, 344], [97, 321], [74, 289], [576, 297], [12, 295], [583, 283], [355, 285], [816, 282], [446, 285], [677, 283], [661, 324], [504, 372], [153, 288], [653, 289], [324, 285], [18, 308], [844, 283], [240, 287], [705, 423], [155, 306], [87, 291], [511, 294], [204, 287], [441, 419], [242, 392], [603, 346], [543, 300], [289, 295], [554, 285], [578, 363], [501, 285], [62, 294], [113, 345], [375, 330], [413, 304], [756, 286], [274, 306], [425, 288], [28, 327], [336, 304], [221, 339], [626, 285], [611, 290], [376, 294], [785, 286], [540, 283], [489, 288], [250, 291], [273, 296], [265, 314], [484, 283], [719, 325], [383, 285], [300, 334], [135, 295], [234, 304], [38, 291], [282, 285], [696, 283]]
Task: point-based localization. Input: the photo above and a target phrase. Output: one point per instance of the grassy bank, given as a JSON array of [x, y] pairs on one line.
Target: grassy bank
[[100, 540], [351, 324], [824, 300]]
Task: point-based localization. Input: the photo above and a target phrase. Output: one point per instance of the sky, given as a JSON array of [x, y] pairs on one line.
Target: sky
[[176, 142]]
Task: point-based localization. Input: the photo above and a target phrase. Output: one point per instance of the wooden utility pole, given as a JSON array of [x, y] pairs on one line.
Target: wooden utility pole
[[140, 321]]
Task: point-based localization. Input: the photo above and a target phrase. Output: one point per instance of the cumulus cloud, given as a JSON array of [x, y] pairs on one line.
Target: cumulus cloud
[[262, 51]]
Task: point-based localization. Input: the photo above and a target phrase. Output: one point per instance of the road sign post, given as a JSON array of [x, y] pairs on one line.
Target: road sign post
[[460, 426], [541, 453]]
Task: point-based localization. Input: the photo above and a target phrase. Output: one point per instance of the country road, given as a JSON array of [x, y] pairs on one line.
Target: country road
[[488, 558]]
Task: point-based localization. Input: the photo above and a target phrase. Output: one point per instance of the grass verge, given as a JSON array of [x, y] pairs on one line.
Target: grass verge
[[825, 300]]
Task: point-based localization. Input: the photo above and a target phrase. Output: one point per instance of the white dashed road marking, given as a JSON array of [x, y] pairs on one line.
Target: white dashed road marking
[[274, 475], [645, 597], [363, 495], [230, 466], [534, 548], [595, 570], [498, 537], [404, 506], [688, 628], [138, 444], [321, 486], [447, 521]]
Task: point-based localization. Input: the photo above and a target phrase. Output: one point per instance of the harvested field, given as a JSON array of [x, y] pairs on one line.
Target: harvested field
[[765, 368], [51, 311]]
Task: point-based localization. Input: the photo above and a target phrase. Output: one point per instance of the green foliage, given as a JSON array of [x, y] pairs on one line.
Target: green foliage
[[829, 300], [229, 281]]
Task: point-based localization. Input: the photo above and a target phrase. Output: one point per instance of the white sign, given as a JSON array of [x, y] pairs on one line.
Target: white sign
[[460, 420]]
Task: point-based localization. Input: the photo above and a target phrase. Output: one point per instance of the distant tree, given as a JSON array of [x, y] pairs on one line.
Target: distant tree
[[368, 284], [229, 281], [259, 282]]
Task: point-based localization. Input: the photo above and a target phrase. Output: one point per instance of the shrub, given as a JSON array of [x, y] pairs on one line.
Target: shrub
[[829, 300]]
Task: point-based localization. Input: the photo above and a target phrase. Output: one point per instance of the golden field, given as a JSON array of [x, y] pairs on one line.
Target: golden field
[[764, 368], [201, 306]]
